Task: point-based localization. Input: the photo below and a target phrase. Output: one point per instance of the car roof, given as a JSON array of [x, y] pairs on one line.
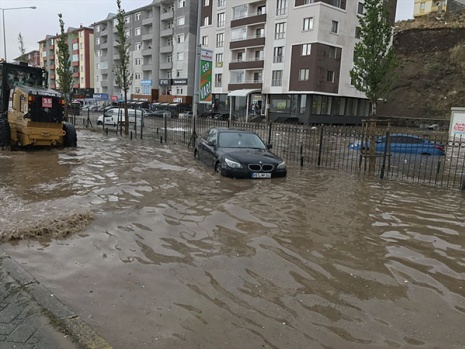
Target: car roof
[[232, 130]]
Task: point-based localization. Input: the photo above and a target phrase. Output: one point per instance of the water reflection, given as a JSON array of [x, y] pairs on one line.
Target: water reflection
[[179, 257]]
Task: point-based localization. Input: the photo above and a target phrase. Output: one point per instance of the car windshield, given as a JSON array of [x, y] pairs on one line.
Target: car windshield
[[240, 140]]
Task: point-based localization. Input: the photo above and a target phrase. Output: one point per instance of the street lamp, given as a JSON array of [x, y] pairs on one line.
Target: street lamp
[[3, 20]]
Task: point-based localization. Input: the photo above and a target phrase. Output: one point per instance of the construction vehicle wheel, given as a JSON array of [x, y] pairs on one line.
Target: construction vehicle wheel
[[70, 138], [5, 136]]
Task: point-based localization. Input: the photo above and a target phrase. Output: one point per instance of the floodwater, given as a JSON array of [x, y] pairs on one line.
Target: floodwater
[[154, 250]]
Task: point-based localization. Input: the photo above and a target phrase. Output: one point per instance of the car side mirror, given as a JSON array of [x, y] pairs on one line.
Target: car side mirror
[[269, 146]]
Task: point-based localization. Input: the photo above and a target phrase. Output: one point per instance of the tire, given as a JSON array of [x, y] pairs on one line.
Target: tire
[[70, 138], [196, 154], [5, 137], [218, 168]]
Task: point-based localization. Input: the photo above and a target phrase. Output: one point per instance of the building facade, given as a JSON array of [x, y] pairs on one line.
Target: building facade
[[32, 58], [81, 46], [425, 7], [285, 59], [162, 39]]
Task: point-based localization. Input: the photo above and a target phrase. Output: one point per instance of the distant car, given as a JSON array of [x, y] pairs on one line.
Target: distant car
[[161, 113], [402, 143], [238, 154], [220, 116]]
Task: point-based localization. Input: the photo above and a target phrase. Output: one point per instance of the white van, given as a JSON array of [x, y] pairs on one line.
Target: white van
[[115, 116]]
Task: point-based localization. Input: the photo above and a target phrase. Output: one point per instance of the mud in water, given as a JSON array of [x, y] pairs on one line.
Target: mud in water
[[170, 255]]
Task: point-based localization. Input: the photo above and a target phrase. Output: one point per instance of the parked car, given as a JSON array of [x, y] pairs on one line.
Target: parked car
[[115, 116], [238, 154], [161, 113], [220, 116], [402, 143]]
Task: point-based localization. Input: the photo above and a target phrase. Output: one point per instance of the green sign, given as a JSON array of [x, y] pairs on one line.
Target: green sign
[[206, 68]]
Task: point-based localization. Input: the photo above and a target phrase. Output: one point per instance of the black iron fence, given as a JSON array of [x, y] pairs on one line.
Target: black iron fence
[[328, 147]]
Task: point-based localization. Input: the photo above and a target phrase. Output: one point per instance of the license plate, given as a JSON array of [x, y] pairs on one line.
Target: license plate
[[261, 175]]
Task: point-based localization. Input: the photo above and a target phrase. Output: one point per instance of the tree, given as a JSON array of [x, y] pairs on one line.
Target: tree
[[123, 76], [374, 60], [63, 70], [22, 49]]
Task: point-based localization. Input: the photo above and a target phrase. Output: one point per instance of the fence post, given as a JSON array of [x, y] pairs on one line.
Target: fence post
[[386, 145], [166, 127], [320, 147], [301, 155], [270, 125]]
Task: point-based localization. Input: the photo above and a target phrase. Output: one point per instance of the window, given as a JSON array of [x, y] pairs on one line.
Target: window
[[304, 74], [221, 3], [261, 10], [180, 38], [306, 49], [206, 2], [238, 34], [127, 19], [137, 90], [138, 61], [138, 15], [239, 12], [279, 30], [206, 21], [360, 8], [170, 25], [219, 40], [136, 76], [97, 41], [126, 33], [97, 29], [205, 40], [169, 58], [260, 33], [239, 56], [181, 3], [99, 53], [181, 21], [281, 7], [332, 52], [178, 73], [308, 23], [334, 27], [137, 46], [218, 80], [180, 56], [422, 6], [330, 76], [278, 54], [259, 55], [219, 59], [277, 78], [220, 19], [137, 31]]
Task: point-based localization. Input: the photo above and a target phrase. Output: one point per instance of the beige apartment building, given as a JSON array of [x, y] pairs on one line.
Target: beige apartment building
[[285, 59], [81, 46]]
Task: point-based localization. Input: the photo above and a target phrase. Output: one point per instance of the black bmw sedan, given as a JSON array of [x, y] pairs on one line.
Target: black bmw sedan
[[238, 154]]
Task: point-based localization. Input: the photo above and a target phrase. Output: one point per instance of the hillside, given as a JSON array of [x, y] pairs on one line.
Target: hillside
[[431, 68]]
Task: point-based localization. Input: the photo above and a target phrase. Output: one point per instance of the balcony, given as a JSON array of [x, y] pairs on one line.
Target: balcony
[[166, 66], [147, 67], [75, 75], [247, 84], [167, 15], [166, 49], [52, 77], [247, 42], [51, 57], [51, 47], [167, 32], [75, 64], [249, 20], [104, 83], [147, 52], [147, 36], [247, 64], [147, 21], [52, 67], [75, 85]]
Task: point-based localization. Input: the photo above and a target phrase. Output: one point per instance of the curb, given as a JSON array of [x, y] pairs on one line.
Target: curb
[[62, 318]]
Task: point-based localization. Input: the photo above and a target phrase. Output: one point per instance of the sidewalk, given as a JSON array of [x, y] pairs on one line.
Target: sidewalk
[[31, 317]]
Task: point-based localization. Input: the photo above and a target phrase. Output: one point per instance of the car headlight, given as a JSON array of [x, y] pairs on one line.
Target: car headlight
[[281, 166], [232, 164]]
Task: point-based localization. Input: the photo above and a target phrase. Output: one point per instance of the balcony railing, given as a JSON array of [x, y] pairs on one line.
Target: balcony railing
[[248, 38]]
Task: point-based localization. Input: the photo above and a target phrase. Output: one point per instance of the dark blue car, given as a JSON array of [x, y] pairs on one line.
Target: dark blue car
[[238, 154], [402, 143]]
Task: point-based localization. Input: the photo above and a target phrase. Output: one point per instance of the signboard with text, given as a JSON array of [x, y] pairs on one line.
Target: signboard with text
[[457, 123], [206, 67]]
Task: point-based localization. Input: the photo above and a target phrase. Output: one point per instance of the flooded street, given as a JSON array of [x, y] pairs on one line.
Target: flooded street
[[160, 252]]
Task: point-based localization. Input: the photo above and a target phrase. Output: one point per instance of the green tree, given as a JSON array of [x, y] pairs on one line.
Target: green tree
[[123, 76], [22, 49], [63, 70], [374, 60]]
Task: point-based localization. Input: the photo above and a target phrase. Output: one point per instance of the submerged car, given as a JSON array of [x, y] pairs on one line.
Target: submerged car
[[238, 154], [402, 143]]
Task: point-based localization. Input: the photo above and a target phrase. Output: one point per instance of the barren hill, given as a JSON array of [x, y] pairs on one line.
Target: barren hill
[[431, 68]]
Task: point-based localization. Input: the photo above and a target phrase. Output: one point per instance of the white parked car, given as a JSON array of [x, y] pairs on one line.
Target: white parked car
[[115, 116]]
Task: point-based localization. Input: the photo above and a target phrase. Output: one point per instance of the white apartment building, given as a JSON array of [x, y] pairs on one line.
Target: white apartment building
[[287, 59], [163, 40]]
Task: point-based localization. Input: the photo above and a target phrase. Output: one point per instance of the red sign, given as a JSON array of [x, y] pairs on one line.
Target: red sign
[[46, 102]]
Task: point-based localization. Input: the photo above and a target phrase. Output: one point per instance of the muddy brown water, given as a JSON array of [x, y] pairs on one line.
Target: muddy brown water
[[160, 252]]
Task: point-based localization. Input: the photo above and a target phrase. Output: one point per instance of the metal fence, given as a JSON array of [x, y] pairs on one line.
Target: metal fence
[[327, 146]]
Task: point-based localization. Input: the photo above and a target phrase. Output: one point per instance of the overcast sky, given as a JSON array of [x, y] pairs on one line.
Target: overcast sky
[[34, 25]]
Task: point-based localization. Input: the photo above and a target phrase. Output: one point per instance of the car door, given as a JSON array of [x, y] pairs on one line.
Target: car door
[[209, 148]]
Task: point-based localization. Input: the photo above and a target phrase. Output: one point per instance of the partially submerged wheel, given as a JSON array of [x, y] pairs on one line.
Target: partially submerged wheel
[[70, 138], [218, 167], [196, 154], [5, 136]]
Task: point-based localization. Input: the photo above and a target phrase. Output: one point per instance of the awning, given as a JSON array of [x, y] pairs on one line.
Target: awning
[[242, 93]]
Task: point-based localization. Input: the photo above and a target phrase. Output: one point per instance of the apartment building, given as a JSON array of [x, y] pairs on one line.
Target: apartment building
[[162, 37], [425, 7], [287, 59], [81, 46], [32, 58]]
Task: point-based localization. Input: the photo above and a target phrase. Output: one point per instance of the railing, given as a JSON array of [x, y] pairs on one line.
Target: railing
[[310, 146]]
